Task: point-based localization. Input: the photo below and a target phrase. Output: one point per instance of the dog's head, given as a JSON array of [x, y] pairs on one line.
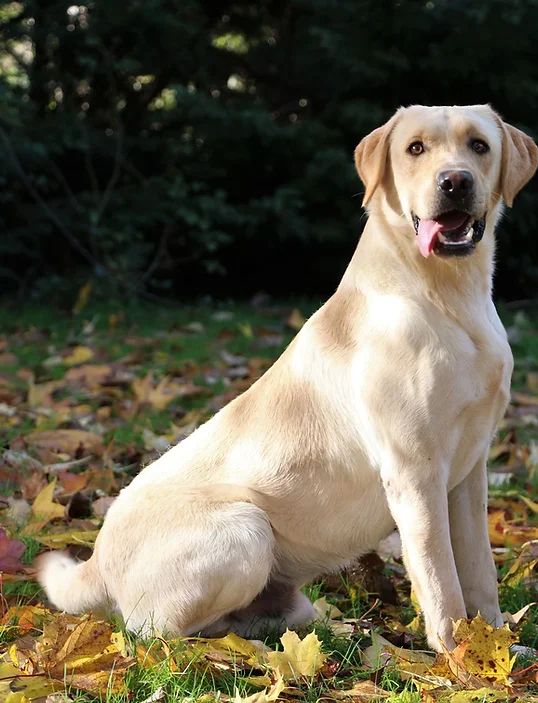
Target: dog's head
[[445, 170]]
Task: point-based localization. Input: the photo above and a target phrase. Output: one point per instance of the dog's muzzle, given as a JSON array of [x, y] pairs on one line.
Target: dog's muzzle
[[453, 233]]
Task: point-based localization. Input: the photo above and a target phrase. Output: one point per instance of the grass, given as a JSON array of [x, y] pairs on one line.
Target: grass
[[188, 340]]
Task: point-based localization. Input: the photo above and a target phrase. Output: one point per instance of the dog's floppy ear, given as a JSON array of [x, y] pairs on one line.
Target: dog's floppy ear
[[519, 161], [371, 157]]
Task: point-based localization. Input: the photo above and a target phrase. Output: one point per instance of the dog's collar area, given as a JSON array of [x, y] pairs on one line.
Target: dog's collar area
[[457, 240]]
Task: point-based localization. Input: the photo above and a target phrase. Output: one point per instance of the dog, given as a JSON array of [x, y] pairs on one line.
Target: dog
[[379, 414]]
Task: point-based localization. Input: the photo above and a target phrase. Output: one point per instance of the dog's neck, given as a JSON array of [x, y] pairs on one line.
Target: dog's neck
[[387, 261]]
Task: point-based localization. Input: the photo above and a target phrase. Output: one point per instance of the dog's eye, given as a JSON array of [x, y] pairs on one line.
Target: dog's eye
[[479, 146], [416, 148]]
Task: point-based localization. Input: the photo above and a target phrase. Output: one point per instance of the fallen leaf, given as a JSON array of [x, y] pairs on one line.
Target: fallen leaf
[[484, 650], [295, 320], [522, 570], [532, 504], [44, 509], [26, 617], [91, 375], [77, 651], [40, 395], [265, 696], [158, 695], [164, 392], [60, 540], [515, 618], [506, 534], [524, 399], [299, 657], [101, 505], [78, 355], [11, 551], [83, 296], [479, 695], [362, 692], [326, 610], [24, 689], [71, 442], [381, 652]]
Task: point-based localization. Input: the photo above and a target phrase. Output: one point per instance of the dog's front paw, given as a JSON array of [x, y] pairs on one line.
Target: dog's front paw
[[440, 637]]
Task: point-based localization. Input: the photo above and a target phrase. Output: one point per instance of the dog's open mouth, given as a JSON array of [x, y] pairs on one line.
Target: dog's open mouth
[[453, 233]]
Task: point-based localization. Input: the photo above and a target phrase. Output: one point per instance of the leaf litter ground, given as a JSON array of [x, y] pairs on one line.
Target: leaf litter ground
[[86, 399]]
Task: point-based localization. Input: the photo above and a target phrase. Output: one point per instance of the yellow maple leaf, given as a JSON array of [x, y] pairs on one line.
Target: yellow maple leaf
[[299, 657], [483, 650]]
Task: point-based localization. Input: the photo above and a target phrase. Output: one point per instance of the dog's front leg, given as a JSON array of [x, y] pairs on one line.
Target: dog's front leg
[[418, 502], [467, 505]]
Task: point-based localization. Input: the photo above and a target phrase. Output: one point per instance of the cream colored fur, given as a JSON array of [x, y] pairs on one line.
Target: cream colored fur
[[380, 413]]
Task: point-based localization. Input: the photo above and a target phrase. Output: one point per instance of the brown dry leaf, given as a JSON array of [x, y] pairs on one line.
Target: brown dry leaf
[[90, 375], [483, 650], [381, 651], [160, 395], [40, 394], [524, 399], [299, 658], [72, 483], [11, 551], [102, 505], [70, 442]]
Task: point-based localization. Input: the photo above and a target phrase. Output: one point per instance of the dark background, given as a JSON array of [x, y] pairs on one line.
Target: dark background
[[182, 147]]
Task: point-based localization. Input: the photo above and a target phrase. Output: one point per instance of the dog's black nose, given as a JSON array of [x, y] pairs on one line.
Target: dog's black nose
[[455, 184]]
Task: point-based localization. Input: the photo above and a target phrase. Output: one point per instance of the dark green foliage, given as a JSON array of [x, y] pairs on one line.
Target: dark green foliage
[[156, 144]]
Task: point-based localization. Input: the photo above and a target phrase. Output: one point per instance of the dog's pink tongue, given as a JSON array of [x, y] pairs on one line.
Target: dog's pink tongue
[[429, 229], [427, 236]]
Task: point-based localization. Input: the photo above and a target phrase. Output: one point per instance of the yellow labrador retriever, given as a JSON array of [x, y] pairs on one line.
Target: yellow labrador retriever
[[379, 413]]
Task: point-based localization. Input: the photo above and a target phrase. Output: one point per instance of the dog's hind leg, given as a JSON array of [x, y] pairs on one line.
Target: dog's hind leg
[[205, 570], [279, 606]]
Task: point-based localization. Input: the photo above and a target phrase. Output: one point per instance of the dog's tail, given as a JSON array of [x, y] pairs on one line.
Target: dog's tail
[[71, 585]]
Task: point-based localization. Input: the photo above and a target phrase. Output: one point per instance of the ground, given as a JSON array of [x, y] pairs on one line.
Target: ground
[[89, 396]]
